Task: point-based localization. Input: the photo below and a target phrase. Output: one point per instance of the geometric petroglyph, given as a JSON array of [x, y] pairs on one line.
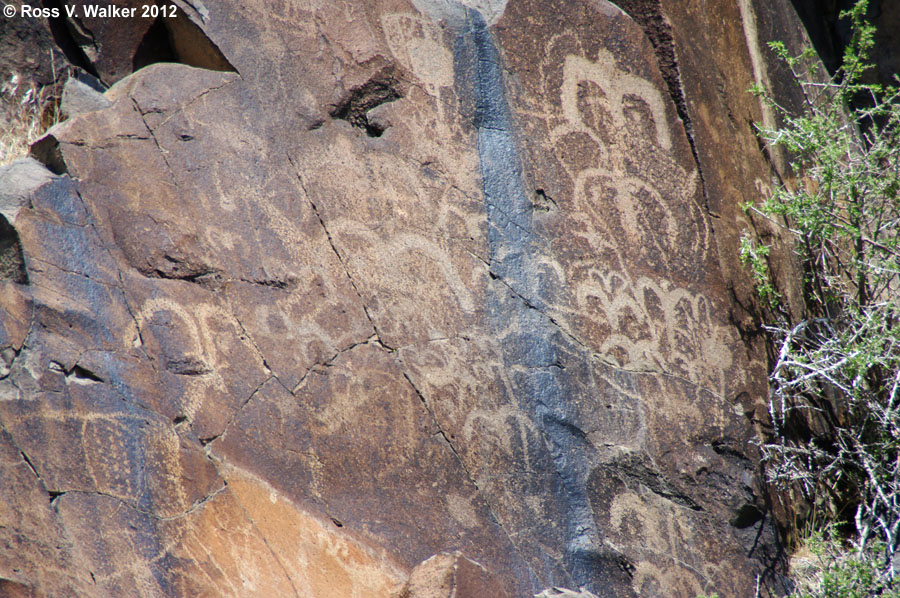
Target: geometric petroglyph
[[191, 344], [669, 564], [416, 43], [612, 119], [637, 210], [651, 325], [615, 92]]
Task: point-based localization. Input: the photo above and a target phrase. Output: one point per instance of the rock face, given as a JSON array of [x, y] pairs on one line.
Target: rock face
[[451, 575], [387, 280]]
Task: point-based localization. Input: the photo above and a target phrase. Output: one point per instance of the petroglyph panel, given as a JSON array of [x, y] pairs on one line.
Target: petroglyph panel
[[624, 262], [423, 276], [410, 233], [635, 256], [354, 434], [106, 444], [672, 539], [204, 352]]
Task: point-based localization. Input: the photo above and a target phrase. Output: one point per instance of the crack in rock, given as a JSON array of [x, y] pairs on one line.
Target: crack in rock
[[337, 253]]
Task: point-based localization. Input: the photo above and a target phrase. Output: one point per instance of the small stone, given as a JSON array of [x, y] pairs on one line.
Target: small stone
[[17, 182], [79, 98]]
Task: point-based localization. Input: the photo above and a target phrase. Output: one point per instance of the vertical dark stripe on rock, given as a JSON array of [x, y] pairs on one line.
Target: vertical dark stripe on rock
[[534, 348]]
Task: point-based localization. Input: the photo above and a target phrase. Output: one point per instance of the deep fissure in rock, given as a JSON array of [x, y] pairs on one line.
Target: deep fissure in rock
[[155, 47], [64, 39], [354, 107], [169, 39], [648, 14], [82, 373], [188, 43], [12, 261]]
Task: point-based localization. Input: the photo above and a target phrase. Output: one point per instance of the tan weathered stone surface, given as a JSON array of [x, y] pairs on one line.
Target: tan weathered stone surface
[[564, 593], [451, 575], [411, 280]]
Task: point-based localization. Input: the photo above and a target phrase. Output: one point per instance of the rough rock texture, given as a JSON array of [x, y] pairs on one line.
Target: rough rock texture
[[108, 44], [564, 593], [78, 98], [387, 280], [451, 575], [886, 53]]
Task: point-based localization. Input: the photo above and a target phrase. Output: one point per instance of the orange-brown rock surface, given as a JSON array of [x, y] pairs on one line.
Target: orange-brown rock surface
[[355, 284]]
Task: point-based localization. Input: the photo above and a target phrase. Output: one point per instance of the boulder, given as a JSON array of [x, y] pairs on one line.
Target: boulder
[[108, 43], [20, 180], [79, 97]]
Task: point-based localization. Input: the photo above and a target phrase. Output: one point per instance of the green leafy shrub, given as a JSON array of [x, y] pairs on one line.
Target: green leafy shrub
[[835, 383], [825, 568]]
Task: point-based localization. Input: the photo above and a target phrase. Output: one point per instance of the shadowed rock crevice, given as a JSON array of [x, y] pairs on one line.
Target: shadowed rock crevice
[[828, 33], [635, 468], [155, 47], [187, 42], [383, 87], [12, 261], [110, 52], [745, 516], [174, 268], [83, 375], [648, 14], [31, 466], [543, 202], [71, 44], [46, 151]]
